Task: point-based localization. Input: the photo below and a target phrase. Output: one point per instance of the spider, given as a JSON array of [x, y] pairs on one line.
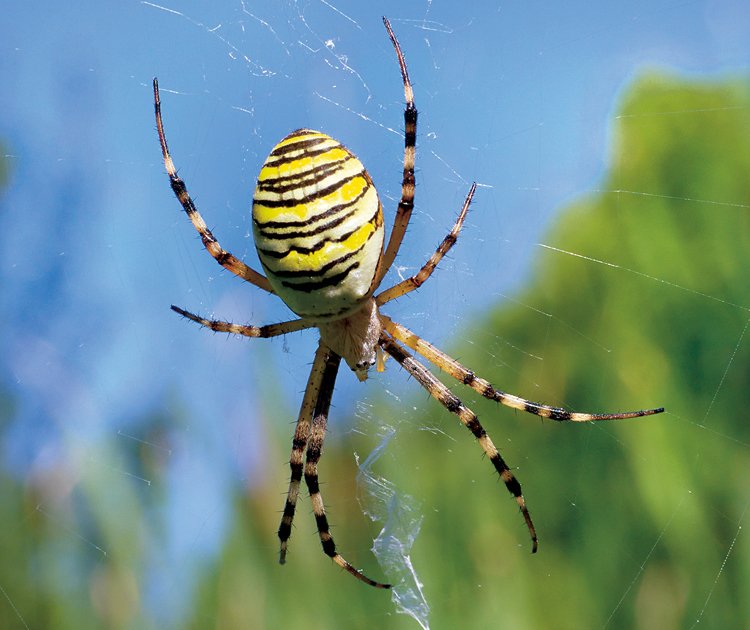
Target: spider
[[318, 229]]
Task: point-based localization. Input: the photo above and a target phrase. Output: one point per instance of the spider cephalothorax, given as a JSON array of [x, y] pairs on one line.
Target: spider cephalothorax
[[318, 229]]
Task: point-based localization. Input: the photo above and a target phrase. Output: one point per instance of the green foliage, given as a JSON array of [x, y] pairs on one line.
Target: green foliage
[[635, 518], [672, 232]]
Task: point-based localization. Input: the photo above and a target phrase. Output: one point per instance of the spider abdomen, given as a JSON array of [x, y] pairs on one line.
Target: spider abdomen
[[318, 226]]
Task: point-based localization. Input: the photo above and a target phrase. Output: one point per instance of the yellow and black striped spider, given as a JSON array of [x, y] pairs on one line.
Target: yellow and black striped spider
[[318, 229]]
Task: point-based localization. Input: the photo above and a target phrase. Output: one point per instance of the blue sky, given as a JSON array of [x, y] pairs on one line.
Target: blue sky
[[517, 96]]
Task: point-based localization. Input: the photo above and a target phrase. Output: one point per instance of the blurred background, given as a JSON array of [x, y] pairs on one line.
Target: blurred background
[[603, 267]]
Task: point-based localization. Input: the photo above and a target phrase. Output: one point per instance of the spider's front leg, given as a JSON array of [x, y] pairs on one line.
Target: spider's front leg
[[222, 256], [408, 182]]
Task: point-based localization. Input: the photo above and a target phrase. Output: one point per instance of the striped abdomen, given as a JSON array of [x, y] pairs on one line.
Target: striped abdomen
[[318, 225]]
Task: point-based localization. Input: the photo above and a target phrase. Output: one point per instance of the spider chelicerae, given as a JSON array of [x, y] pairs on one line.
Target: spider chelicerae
[[318, 230]]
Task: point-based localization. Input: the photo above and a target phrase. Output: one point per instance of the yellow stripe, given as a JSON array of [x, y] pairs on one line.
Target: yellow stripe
[[303, 165], [310, 135], [350, 190], [295, 261]]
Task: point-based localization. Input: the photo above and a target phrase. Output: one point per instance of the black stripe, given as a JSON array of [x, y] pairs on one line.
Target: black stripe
[[298, 249], [314, 285], [329, 548], [281, 159], [303, 178], [312, 480], [475, 427], [320, 244], [329, 314], [321, 192], [490, 392], [301, 131], [313, 232], [285, 529], [410, 126], [299, 144], [306, 223], [509, 479], [312, 273], [555, 413]]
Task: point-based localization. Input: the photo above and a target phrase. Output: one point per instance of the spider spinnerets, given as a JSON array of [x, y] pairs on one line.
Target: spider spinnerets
[[318, 229]]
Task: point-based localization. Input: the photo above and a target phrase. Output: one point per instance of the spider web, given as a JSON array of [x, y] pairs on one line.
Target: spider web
[[143, 459]]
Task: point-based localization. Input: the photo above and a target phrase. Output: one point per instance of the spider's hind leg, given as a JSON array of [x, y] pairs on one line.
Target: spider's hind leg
[[310, 432], [299, 443], [463, 375], [440, 392]]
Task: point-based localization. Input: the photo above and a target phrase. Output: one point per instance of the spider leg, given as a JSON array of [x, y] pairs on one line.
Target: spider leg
[[417, 280], [406, 204], [299, 443], [468, 418], [327, 379], [223, 257], [270, 330], [449, 365]]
